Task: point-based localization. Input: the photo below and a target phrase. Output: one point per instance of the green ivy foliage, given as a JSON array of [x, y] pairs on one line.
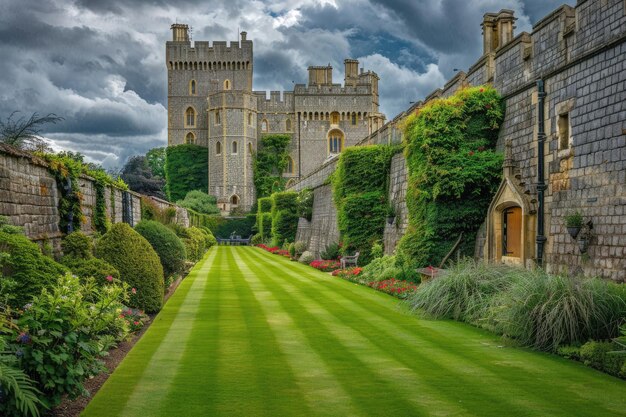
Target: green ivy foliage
[[265, 205], [269, 164], [265, 225], [139, 265], [186, 169], [284, 217], [360, 186], [305, 204], [25, 271], [200, 202], [453, 173]]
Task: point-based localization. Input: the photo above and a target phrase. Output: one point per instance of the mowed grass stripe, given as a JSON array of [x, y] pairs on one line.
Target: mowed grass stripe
[[115, 394], [413, 353], [371, 392], [191, 391], [324, 395], [476, 356]]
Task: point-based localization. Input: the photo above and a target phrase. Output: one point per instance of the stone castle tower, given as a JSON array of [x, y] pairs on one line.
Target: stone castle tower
[[211, 103]]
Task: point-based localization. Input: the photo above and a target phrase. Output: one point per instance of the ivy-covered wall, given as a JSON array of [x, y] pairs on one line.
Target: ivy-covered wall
[[284, 217], [360, 186], [453, 172], [270, 162], [186, 169]]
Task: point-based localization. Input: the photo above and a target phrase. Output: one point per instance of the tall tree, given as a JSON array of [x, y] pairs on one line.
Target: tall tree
[[26, 133], [156, 161], [138, 175]]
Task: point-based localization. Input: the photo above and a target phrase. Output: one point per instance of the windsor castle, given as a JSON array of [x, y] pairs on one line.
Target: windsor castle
[[211, 103]]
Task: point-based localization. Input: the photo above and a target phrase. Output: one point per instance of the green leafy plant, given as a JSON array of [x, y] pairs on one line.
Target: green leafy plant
[[377, 250], [453, 170], [139, 265], [269, 164], [199, 202], [186, 169], [94, 268], [167, 245], [77, 245], [332, 251], [305, 204], [284, 217], [574, 219], [603, 356]]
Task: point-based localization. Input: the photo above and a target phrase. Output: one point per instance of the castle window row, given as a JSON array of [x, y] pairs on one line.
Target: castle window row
[[209, 66], [234, 148]]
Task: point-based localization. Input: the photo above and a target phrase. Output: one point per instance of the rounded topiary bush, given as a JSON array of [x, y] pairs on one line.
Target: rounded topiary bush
[[138, 264], [24, 269], [195, 243], [167, 245], [209, 239], [77, 245], [91, 268]]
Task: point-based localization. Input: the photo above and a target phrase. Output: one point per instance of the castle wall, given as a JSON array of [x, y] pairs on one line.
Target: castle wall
[[581, 55]]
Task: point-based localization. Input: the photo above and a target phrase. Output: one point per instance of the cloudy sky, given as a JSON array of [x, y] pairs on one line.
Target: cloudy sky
[[100, 63]]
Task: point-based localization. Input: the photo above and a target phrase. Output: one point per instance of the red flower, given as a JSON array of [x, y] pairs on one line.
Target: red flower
[[134, 291], [471, 153], [109, 278], [482, 90]]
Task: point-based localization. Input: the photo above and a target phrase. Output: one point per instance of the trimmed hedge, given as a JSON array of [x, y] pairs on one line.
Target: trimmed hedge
[[25, 270], [167, 245], [360, 186], [284, 217], [186, 169], [265, 205], [138, 264], [90, 268], [453, 173], [265, 225], [242, 226], [77, 245], [361, 222]]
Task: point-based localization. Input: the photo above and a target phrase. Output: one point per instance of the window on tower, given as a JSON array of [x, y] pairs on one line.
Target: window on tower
[[264, 126], [227, 85], [288, 125], [234, 148], [218, 118], [353, 119], [190, 117], [190, 138], [334, 118], [290, 166], [218, 148], [192, 87]]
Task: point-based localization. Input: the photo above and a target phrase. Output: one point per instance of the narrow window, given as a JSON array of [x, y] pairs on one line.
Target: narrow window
[[192, 87], [288, 125], [234, 148], [249, 119], [190, 117], [563, 126], [335, 142], [250, 149], [334, 118], [227, 85], [218, 148], [289, 167], [190, 138], [218, 118], [234, 200], [354, 119], [264, 126]]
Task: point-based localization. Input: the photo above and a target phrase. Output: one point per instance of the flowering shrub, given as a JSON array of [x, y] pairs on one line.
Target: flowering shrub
[[134, 317], [325, 265], [397, 288], [351, 274]]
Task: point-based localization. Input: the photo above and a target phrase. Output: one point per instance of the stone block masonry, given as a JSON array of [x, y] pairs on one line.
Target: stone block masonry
[[580, 53], [29, 198]]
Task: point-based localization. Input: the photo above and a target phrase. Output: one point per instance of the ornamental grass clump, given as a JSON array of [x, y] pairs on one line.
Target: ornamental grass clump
[[546, 311], [139, 265], [465, 292]]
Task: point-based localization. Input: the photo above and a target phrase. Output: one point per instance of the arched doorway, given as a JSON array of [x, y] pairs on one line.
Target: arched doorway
[[234, 201], [512, 232]]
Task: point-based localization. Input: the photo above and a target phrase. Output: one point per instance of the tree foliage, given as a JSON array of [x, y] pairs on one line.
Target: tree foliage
[[140, 178], [186, 169], [284, 217], [156, 161], [200, 202], [453, 172], [269, 164]]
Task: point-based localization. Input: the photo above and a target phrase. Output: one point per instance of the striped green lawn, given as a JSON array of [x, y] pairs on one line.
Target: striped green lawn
[[253, 334]]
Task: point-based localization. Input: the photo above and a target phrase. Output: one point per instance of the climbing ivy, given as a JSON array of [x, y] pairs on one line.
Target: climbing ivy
[[284, 217], [360, 186], [186, 169], [453, 171], [269, 164]]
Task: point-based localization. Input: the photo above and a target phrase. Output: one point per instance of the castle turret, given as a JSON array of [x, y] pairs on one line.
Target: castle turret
[[352, 72], [498, 29], [321, 75], [180, 32]]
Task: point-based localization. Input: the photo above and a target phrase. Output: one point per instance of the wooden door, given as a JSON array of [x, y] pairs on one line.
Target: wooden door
[[512, 233]]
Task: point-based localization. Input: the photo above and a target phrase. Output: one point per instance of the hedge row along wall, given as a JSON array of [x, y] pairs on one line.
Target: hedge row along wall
[[270, 162], [284, 217], [186, 169], [453, 173], [264, 217], [360, 186]]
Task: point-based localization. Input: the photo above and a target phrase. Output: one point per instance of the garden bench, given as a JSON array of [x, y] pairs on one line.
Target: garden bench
[[349, 260]]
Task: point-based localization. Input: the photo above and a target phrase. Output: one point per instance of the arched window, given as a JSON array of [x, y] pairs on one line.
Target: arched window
[[250, 148], [234, 148], [218, 117], [288, 125], [290, 166], [264, 126], [250, 119], [192, 87], [234, 200], [190, 117], [353, 119], [227, 85], [335, 141], [334, 118], [190, 138], [218, 148]]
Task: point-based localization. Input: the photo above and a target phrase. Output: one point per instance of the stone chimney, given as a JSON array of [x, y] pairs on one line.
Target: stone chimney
[[352, 72], [244, 36], [321, 75], [498, 29]]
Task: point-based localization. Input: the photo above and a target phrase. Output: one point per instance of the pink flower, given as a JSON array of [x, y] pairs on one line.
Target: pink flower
[[134, 291], [110, 278], [136, 323]]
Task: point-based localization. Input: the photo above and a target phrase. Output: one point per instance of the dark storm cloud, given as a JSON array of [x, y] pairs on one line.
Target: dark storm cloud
[[100, 63]]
